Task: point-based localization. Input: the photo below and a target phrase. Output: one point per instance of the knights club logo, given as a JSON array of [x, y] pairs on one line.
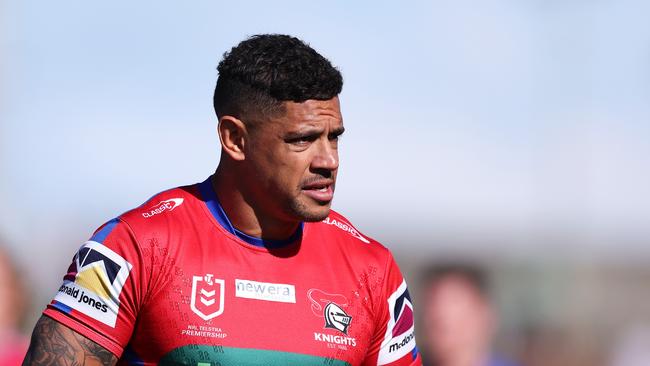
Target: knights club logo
[[207, 296], [335, 316]]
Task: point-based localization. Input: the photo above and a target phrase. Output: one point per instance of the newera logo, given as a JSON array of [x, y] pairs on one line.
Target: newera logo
[[279, 292]]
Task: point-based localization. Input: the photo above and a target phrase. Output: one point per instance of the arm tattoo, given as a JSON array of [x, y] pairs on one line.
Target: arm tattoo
[[54, 344]]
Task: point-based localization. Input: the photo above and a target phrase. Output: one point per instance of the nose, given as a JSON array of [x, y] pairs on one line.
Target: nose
[[327, 156]]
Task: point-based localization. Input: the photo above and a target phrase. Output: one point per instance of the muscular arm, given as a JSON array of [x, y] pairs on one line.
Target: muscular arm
[[57, 345]]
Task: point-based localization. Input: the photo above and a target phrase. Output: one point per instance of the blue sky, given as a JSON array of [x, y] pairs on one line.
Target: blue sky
[[471, 125]]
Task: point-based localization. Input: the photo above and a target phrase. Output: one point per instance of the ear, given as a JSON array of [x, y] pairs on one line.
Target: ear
[[232, 134]]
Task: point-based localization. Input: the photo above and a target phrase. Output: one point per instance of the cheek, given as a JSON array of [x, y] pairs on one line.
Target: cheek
[[281, 168], [283, 178], [292, 168]]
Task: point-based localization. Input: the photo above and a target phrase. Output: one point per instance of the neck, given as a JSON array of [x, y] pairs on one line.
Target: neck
[[243, 211]]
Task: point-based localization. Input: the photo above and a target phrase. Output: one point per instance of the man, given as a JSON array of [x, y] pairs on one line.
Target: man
[[249, 267], [458, 319]]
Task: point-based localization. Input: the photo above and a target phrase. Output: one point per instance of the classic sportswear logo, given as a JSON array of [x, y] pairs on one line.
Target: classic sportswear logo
[[166, 205], [346, 227], [94, 282], [209, 292], [265, 291]]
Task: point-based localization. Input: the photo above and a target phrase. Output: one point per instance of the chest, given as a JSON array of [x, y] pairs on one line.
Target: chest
[[227, 305]]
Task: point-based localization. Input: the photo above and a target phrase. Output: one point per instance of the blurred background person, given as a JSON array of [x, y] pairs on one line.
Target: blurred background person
[[632, 348], [458, 321], [13, 342]]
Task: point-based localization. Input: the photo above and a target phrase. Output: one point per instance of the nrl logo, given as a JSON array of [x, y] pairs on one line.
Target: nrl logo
[[207, 296]]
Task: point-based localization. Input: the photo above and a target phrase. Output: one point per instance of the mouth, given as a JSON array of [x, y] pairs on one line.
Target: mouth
[[321, 191]]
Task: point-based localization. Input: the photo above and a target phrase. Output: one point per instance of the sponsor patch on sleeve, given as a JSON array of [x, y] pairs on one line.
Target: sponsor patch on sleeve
[[94, 282], [400, 331]]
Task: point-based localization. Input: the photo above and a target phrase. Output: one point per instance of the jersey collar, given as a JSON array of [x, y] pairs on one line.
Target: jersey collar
[[211, 200]]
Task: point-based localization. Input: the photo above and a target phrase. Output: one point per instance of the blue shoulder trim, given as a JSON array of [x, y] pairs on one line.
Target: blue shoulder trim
[[101, 235]]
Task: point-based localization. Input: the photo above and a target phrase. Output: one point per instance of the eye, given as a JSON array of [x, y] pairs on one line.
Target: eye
[[334, 136], [302, 140]]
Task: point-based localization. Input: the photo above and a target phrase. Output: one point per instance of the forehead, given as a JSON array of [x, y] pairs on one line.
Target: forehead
[[312, 112], [454, 288]]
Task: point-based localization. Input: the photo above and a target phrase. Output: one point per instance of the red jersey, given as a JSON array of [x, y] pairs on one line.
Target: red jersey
[[172, 282]]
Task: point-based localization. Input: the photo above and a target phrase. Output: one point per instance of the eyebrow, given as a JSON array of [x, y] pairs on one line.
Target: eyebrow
[[337, 131], [302, 133], [312, 131]]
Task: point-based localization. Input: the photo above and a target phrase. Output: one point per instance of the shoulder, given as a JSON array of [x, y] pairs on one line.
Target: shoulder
[[338, 226], [164, 208], [361, 248], [157, 217]]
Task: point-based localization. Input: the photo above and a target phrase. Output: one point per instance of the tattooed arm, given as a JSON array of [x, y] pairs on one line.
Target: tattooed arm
[[54, 344]]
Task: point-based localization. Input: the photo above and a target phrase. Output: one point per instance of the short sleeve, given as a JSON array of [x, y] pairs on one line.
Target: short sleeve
[[103, 289], [394, 340]]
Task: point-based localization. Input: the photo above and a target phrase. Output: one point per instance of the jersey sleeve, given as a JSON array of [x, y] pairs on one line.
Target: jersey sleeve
[[394, 340], [103, 288]]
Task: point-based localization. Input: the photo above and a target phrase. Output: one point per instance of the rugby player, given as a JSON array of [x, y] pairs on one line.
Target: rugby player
[[250, 266]]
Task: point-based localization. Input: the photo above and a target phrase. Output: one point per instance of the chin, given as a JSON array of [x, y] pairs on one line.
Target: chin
[[319, 214], [311, 214], [316, 217]]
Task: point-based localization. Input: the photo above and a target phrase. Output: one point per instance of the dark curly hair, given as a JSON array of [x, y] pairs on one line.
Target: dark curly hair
[[475, 276], [263, 71]]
